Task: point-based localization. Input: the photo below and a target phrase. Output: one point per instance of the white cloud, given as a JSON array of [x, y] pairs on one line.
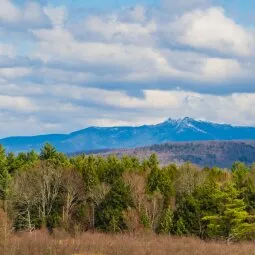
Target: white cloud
[[135, 52], [30, 15], [222, 69], [12, 89], [131, 62], [7, 50], [59, 45], [111, 29], [12, 73], [137, 14], [9, 13], [158, 104], [62, 81], [19, 104], [57, 15], [64, 108], [210, 29], [27, 125]]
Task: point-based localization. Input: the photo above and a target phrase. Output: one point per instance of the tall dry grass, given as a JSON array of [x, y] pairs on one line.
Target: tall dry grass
[[40, 243]]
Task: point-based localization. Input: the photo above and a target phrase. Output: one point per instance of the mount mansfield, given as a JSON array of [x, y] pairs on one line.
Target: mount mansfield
[[97, 138]]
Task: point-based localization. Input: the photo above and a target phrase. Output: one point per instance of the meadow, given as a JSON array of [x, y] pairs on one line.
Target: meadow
[[41, 243]]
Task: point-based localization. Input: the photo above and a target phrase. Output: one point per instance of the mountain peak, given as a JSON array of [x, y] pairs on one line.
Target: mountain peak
[[187, 119], [180, 120], [176, 130]]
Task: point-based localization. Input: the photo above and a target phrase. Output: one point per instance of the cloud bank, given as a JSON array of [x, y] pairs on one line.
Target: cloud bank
[[60, 71]]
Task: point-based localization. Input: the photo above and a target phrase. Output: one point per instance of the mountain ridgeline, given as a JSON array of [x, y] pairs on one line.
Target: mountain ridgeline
[[100, 138]]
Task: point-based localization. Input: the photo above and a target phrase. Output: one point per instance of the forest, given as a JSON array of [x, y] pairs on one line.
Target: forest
[[49, 190]]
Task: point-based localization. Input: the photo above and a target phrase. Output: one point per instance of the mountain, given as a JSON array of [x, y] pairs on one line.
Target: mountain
[[205, 153], [96, 138]]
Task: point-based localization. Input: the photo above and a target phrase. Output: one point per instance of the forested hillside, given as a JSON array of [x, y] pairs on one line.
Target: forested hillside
[[207, 153], [109, 194]]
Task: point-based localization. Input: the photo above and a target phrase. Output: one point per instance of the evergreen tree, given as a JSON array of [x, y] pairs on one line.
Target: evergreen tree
[[5, 178], [109, 214], [89, 174], [113, 170], [48, 152], [166, 225], [232, 221], [12, 163], [181, 228]]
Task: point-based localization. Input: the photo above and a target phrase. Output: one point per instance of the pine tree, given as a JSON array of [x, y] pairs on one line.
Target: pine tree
[[89, 174], [166, 225], [48, 152], [232, 221], [109, 215], [181, 228], [5, 178]]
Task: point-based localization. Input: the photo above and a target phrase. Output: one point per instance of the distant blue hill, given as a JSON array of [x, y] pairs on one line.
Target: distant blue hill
[[97, 138]]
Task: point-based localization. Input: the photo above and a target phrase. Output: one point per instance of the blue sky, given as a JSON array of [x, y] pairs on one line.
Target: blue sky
[[66, 65], [102, 4]]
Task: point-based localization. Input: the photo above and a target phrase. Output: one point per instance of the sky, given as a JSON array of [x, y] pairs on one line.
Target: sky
[[66, 65]]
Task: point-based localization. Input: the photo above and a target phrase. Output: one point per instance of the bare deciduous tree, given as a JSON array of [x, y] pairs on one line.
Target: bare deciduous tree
[[73, 192], [25, 196], [150, 205]]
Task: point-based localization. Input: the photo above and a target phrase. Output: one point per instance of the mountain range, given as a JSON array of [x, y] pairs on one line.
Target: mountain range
[[100, 138]]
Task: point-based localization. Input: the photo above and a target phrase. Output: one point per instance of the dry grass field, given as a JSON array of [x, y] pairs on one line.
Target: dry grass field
[[40, 243]]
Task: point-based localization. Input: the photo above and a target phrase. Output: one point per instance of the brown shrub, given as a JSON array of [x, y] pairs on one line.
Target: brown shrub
[[132, 220]]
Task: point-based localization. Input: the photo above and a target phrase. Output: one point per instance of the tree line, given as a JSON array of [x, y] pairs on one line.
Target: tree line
[[111, 194]]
